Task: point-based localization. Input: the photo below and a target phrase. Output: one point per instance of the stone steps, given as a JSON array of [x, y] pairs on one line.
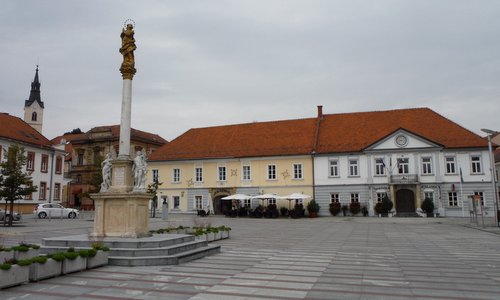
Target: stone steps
[[159, 249]]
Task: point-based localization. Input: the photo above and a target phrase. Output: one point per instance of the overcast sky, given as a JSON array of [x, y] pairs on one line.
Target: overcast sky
[[205, 63]]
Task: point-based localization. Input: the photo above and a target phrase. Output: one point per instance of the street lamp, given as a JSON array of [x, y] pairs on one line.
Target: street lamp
[[492, 168]]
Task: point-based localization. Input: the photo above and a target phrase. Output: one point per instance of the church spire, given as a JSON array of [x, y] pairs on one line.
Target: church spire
[[35, 91]]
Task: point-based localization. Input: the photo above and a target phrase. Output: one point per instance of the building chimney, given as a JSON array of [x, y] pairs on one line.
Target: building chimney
[[320, 112]]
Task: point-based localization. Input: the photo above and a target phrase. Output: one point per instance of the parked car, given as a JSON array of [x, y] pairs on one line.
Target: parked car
[[16, 217], [54, 210]]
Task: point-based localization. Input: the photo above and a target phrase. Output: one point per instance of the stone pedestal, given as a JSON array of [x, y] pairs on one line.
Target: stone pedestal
[[122, 178], [121, 214]]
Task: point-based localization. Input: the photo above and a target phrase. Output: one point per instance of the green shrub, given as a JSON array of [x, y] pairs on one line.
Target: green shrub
[[427, 206], [71, 249], [39, 259], [84, 253], [335, 208], [5, 266], [24, 262], [354, 207], [6, 249], [70, 255], [92, 252], [21, 248], [34, 246], [313, 206], [59, 256], [386, 204]]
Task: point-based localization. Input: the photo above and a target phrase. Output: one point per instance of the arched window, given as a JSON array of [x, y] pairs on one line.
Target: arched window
[[33, 116]]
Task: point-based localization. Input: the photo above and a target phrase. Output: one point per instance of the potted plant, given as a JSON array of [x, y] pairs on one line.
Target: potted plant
[[297, 211], [354, 208], [335, 208], [74, 261], [5, 254], [224, 230], [428, 207], [98, 255], [25, 251], [44, 267], [313, 208], [284, 211], [14, 272], [386, 206]]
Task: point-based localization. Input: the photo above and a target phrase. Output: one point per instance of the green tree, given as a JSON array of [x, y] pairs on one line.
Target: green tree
[[14, 183]]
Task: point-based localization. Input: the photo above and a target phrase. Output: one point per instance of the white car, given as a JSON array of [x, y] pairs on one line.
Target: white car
[[54, 210]]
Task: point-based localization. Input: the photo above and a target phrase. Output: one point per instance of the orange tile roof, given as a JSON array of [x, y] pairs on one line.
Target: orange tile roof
[[16, 129], [353, 132], [290, 137], [348, 132]]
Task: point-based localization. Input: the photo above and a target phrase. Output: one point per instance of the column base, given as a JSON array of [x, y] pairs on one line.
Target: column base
[[121, 215]]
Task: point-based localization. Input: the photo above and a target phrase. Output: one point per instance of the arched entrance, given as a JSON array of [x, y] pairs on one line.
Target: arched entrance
[[221, 206], [405, 201]]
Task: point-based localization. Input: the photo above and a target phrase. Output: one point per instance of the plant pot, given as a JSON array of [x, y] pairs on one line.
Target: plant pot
[[313, 215], [6, 255], [202, 237], [210, 237], [74, 265], [224, 234], [217, 236], [14, 276], [430, 215], [50, 268], [100, 259], [26, 254]]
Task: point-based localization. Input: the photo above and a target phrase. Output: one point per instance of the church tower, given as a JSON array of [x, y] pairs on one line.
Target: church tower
[[33, 107]]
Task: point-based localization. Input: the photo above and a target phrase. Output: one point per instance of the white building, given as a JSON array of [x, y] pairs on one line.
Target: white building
[[408, 154]]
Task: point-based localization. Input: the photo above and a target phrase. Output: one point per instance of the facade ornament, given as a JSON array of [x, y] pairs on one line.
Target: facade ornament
[[140, 169], [285, 174], [234, 172], [106, 173], [127, 50]]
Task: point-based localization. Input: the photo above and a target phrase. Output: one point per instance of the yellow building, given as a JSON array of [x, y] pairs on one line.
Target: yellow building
[[203, 165]]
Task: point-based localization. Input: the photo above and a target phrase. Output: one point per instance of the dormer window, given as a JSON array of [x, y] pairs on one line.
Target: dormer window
[[33, 116]]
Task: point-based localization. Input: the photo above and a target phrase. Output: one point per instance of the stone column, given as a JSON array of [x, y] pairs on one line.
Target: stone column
[[126, 116]]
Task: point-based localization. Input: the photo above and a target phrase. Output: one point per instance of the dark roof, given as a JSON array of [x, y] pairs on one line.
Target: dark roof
[[15, 129], [349, 132], [112, 132], [35, 92]]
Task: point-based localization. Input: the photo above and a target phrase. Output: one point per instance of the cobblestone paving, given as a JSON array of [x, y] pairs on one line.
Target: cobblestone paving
[[324, 258]]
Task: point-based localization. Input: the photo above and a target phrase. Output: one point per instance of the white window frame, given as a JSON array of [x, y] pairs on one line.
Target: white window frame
[[353, 167], [403, 164], [176, 175], [380, 196], [246, 172], [476, 166], [334, 198], [429, 194], [354, 197], [272, 201], [298, 172], [173, 201], [155, 175], [333, 169], [198, 174], [271, 172], [247, 203], [198, 202], [379, 166], [452, 199], [450, 166], [221, 173], [427, 165]]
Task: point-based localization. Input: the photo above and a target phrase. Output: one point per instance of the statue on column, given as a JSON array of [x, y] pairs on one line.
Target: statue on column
[[127, 50], [106, 173], [140, 169]]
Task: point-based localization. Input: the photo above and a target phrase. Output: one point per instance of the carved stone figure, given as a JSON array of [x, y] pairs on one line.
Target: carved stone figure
[[140, 168], [106, 173], [127, 50]]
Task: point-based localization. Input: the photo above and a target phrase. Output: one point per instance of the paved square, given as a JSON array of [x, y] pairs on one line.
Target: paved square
[[324, 258]]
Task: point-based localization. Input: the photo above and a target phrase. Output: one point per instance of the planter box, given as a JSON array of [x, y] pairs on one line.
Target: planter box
[[100, 259], [6, 255], [210, 237], [217, 236], [26, 255], [14, 276], [75, 265], [224, 234], [49, 269]]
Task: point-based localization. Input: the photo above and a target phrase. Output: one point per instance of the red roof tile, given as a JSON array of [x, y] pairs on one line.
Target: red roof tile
[[14, 128], [353, 132], [349, 132], [289, 137]]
